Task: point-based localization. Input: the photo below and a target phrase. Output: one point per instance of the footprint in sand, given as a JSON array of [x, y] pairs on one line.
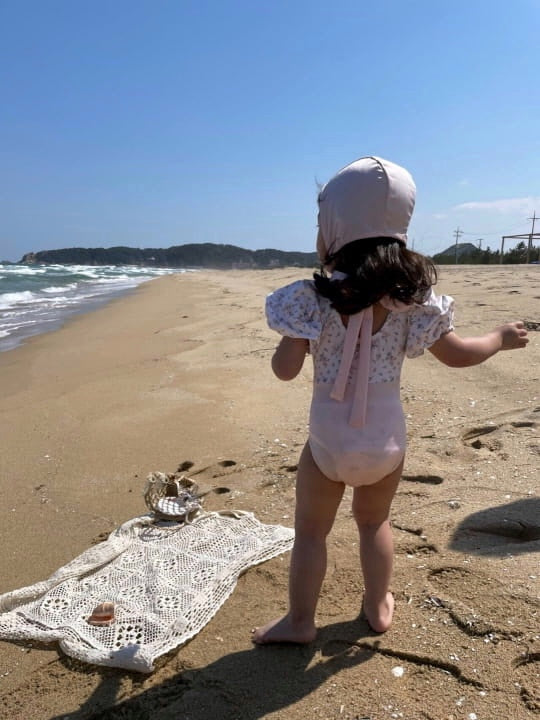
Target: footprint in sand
[[412, 541], [527, 672], [424, 479], [187, 465], [410, 548], [479, 605], [535, 448], [475, 438], [289, 468], [100, 538], [491, 435]]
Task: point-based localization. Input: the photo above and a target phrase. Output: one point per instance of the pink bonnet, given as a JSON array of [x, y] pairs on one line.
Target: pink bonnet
[[371, 197]]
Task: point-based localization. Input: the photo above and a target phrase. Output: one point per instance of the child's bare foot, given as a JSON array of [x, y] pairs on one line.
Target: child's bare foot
[[380, 617], [283, 630]]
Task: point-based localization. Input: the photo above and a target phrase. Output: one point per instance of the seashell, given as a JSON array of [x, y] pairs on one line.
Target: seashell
[[102, 614]]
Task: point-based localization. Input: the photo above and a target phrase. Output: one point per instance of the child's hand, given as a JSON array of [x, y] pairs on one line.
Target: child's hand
[[513, 335], [458, 352]]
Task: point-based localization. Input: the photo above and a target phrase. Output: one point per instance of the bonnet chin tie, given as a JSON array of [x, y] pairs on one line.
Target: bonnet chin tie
[[360, 326]]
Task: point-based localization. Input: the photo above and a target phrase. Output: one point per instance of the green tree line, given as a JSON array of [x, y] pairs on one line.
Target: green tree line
[[517, 255]]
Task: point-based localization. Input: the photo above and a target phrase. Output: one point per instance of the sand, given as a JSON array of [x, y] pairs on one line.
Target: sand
[[179, 371]]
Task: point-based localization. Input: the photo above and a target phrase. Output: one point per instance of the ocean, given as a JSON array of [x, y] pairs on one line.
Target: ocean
[[38, 298]]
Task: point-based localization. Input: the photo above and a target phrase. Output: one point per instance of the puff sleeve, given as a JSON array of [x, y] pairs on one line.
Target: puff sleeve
[[427, 322], [294, 311]]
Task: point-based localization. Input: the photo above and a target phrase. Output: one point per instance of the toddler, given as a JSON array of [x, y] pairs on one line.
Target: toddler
[[371, 305]]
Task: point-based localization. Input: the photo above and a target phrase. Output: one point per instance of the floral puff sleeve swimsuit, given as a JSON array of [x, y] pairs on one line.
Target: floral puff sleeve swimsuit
[[357, 432]]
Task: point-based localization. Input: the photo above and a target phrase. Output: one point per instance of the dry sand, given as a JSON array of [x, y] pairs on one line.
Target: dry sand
[[179, 370]]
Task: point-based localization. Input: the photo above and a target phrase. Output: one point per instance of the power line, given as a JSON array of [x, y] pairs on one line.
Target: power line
[[478, 233], [514, 227]]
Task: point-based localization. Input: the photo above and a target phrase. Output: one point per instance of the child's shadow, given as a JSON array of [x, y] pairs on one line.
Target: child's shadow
[[247, 684]]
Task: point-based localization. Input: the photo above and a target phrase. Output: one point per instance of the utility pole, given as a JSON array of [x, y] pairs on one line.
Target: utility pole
[[457, 233], [531, 235]]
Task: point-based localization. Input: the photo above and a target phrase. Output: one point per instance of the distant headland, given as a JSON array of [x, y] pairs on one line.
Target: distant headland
[[204, 255], [217, 256]]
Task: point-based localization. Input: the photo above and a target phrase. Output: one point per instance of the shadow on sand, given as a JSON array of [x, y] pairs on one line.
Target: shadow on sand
[[249, 684], [512, 528]]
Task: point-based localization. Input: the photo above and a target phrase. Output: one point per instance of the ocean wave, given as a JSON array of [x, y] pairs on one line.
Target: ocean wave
[[37, 299], [15, 298], [56, 289], [24, 270]]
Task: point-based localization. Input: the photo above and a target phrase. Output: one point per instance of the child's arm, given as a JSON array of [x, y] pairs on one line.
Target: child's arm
[[458, 352], [289, 357]]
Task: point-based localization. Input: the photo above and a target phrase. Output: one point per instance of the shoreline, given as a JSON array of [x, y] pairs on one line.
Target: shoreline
[[93, 303], [41, 299], [16, 339], [177, 371]]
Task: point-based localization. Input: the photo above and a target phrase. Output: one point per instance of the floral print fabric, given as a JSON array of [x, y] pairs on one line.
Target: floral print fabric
[[298, 311]]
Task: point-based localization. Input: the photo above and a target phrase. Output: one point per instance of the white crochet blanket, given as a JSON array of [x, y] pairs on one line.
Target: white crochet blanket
[[166, 581]]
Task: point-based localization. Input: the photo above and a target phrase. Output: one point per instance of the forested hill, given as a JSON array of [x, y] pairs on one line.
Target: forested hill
[[207, 255]]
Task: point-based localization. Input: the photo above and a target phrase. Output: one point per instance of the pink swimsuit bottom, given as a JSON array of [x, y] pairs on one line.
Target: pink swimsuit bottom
[[352, 455]]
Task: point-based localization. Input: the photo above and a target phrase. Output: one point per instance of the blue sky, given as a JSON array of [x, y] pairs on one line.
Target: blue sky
[[159, 123]]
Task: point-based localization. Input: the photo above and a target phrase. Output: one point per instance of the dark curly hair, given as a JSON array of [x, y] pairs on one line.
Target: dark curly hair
[[375, 267]]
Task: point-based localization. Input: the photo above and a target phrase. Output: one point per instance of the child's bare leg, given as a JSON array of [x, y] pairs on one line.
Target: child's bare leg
[[317, 501], [371, 509]]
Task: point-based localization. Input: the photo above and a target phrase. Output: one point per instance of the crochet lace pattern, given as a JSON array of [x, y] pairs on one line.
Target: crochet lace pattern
[[166, 580]]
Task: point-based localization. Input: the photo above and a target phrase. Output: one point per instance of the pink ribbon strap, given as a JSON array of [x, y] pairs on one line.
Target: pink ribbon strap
[[360, 326]]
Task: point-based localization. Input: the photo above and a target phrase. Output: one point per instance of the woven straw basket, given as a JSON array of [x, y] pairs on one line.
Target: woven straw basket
[[172, 497]]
